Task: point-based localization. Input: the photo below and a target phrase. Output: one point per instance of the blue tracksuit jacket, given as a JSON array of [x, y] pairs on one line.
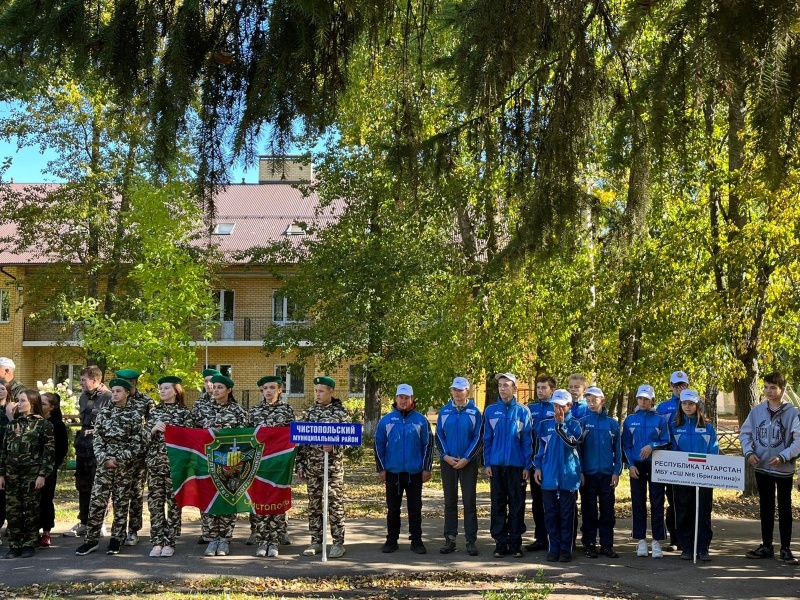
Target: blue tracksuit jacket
[[557, 457], [459, 431], [601, 447], [403, 444], [688, 438], [507, 435], [668, 408], [579, 409], [643, 428]]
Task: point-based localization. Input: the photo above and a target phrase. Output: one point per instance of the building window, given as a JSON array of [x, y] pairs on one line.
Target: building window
[[294, 379], [226, 370], [284, 310], [69, 374], [356, 379], [223, 228], [5, 306]]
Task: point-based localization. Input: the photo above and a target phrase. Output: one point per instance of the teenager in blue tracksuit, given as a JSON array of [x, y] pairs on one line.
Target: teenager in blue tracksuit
[[557, 468], [404, 458], [576, 384], [459, 429], [507, 443], [540, 410], [642, 432], [601, 463], [678, 382], [691, 433]]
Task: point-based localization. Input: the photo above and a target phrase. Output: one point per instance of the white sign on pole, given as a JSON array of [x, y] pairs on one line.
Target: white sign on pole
[[701, 470]]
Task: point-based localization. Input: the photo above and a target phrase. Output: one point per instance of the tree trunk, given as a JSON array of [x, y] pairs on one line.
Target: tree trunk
[[745, 396], [372, 405]]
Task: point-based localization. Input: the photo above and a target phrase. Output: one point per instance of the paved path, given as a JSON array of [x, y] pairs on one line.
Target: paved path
[[727, 577]]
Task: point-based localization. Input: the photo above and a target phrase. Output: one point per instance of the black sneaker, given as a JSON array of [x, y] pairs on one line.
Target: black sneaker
[[704, 556], [761, 552], [516, 552], [552, 556], [472, 550], [787, 557], [28, 552], [13, 553], [202, 540], [686, 555], [565, 557], [500, 550], [590, 551], [113, 546], [536, 545], [609, 551], [418, 547], [86, 548], [448, 547], [389, 546]]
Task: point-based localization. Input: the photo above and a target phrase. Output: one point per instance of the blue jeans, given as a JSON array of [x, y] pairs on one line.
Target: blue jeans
[[597, 490], [639, 490], [559, 516]]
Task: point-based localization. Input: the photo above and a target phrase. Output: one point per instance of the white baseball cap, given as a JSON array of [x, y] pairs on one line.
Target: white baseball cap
[[404, 390], [507, 376], [561, 397], [690, 396], [646, 391], [8, 363], [460, 383], [679, 377], [595, 391]]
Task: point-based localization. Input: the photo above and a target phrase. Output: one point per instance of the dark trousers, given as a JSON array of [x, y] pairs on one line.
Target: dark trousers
[[767, 487], [639, 490], [670, 515], [684, 513], [468, 478], [597, 491], [47, 510], [411, 484], [537, 508], [508, 505], [85, 469], [559, 514], [2, 507]]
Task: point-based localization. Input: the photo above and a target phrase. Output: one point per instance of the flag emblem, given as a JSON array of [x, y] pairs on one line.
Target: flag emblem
[[697, 458]]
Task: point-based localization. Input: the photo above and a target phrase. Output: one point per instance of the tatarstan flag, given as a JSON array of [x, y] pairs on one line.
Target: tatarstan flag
[[229, 471]]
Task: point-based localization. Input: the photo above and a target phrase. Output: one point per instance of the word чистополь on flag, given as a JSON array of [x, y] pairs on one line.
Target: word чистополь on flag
[[229, 471]]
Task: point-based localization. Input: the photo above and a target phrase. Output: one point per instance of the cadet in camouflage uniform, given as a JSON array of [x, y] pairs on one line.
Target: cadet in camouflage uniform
[[223, 413], [206, 397], [118, 441], [270, 412], [171, 411], [27, 457], [144, 404], [310, 466]]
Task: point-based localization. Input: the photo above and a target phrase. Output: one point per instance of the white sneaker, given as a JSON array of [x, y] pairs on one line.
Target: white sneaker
[[78, 530], [337, 551], [223, 548], [641, 549], [156, 551], [167, 551], [312, 550], [132, 539], [272, 552], [211, 549], [262, 550], [657, 551]]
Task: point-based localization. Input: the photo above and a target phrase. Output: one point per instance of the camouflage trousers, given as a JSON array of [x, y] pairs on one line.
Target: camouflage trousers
[[269, 529], [165, 514], [117, 484], [220, 527], [136, 504], [335, 505], [22, 506]]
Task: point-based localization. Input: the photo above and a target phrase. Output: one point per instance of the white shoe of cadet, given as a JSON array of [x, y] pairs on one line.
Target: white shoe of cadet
[[641, 548], [657, 551]]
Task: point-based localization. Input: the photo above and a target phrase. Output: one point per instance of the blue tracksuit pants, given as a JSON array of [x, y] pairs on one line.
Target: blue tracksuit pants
[[639, 490], [559, 516], [597, 491]]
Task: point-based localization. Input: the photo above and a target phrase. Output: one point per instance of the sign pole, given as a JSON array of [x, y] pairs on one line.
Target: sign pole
[[325, 512], [696, 518]]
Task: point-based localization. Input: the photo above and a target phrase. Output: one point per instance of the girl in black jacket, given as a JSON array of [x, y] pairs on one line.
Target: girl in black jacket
[[51, 410]]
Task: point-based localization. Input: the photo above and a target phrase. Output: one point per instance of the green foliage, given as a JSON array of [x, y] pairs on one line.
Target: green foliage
[[535, 588]]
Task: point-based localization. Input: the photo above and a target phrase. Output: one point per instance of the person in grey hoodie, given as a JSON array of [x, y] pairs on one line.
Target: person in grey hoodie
[[770, 439]]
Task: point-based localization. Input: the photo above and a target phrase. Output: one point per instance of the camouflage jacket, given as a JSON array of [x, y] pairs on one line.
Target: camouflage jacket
[[143, 403], [212, 415], [279, 414], [118, 433], [29, 442], [310, 459], [169, 414]]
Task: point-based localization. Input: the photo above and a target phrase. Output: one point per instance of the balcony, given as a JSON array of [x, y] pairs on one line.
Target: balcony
[[240, 329], [39, 330]]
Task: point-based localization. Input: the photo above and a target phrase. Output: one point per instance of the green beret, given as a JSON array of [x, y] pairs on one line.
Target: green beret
[[128, 374], [270, 379], [325, 381], [210, 373], [117, 382], [170, 379], [226, 381]]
